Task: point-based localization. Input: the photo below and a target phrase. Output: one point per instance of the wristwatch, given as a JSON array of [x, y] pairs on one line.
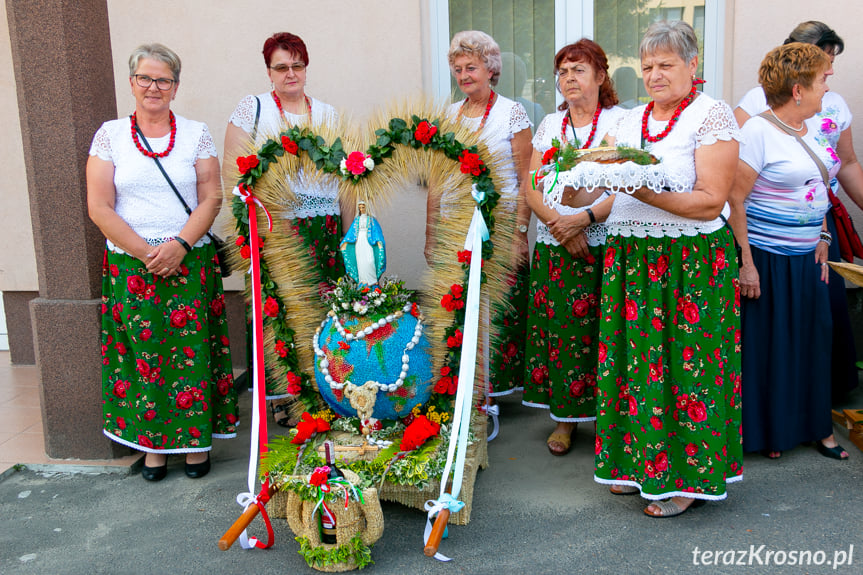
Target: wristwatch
[[522, 228]]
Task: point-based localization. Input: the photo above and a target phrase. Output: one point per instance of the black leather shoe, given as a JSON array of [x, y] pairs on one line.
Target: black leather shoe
[[198, 470], [155, 473]]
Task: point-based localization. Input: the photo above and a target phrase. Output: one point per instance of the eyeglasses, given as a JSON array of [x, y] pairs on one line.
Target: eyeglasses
[[297, 67], [146, 81]]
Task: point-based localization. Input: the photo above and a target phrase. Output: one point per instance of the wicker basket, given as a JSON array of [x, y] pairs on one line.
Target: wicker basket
[[365, 519]]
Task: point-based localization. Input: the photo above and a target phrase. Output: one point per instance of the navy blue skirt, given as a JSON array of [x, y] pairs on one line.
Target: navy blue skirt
[[786, 336]]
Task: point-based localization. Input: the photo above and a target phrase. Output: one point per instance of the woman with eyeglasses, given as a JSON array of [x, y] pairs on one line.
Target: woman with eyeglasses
[[316, 215], [167, 384], [566, 273]]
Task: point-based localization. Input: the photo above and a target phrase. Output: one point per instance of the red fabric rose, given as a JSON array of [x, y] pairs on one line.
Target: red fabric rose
[[223, 386], [464, 256], [246, 163], [289, 145], [354, 163], [597, 444], [319, 476], [656, 423], [184, 400], [116, 310], [281, 348], [271, 307], [549, 155], [457, 290], [136, 284], [690, 312], [661, 461], [455, 339], [631, 310], [442, 385], [691, 449], [194, 432], [576, 388], [418, 432], [121, 423], [217, 306], [688, 352], [190, 353], [240, 240], [143, 368], [120, 389], [580, 308], [537, 376], [609, 257], [603, 352], [425, 132], [470, 163], [178, 318], [121, 349], [245, 252], [150, 414], [697, 411], [144, 441]]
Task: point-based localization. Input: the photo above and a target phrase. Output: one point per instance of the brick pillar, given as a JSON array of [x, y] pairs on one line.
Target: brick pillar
[[64, 77]]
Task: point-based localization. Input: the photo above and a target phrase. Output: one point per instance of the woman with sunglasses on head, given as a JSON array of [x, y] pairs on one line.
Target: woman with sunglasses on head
[[166, 376], [316, 216]]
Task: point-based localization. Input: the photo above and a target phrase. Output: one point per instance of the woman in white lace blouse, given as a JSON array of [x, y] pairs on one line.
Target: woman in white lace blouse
[[503, 124], [166, 375], [316, 215], [668, 413]]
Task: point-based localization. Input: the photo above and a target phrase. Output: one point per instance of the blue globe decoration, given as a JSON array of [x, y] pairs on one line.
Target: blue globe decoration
[[377, 356]]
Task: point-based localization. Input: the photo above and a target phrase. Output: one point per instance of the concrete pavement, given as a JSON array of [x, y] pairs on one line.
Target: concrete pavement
[[533, 513]]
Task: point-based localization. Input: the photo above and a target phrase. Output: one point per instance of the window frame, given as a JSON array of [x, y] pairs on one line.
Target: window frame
[[574, 20]]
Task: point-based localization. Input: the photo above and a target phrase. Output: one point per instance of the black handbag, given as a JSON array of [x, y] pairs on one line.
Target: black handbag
[[219, 243]]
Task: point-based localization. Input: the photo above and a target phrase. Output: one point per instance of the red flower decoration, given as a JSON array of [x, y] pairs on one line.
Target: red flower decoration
[[308, 426], [420, 429], [184, 400], [549, 155], [319, 476], [425, 132], [289, 145], [354, 163], [294, 382], [697, 411], [464, 256], [470, 163], [136, 284], [281, 349], [455, 339], [271, 307], [246, 163], [178, 318]]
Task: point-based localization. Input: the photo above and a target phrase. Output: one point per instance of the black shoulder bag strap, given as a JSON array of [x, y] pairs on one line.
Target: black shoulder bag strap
[[257, 117], [168, 178]]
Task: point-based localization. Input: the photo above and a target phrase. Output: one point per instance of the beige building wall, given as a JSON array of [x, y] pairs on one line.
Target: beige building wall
[[363, 54], [759, 25], [17, 257]]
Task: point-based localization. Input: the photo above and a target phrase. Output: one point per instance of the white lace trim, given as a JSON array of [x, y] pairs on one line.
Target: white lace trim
[[595, 233], [631, 217]]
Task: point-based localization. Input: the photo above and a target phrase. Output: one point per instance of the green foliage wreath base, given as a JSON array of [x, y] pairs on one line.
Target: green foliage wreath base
[[322, 556]]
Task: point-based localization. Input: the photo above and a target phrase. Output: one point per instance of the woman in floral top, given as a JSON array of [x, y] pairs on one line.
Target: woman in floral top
[[167, 383], [832, 127], [779, 204], [668, 405]]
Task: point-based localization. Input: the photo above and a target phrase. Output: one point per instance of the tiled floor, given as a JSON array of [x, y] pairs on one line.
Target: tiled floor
[[21, 437]]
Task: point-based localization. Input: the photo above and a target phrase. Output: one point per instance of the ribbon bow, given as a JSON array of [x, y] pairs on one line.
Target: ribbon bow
[[319, 479], [246, 499], [245, 194], [435, 506]]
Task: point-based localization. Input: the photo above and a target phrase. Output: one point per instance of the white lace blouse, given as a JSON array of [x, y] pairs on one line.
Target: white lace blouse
[[505, 119], [550, 128], [704, 122], [144, 199], [313, 198]]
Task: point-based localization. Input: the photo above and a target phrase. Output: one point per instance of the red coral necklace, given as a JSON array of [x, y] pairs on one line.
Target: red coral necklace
[[282, 112], [148, 153], [491, 99], [567, 120], [645, 132]]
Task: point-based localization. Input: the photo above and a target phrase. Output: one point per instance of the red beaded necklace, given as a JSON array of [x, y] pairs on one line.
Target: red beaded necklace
[[567, 121], [645, 133], [282, 112], [148, 153], [491, 99]]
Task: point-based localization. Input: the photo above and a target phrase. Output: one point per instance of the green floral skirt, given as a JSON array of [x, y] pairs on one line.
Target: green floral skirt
[[506, 354], [167, 383], [562, 326], [668, 413]]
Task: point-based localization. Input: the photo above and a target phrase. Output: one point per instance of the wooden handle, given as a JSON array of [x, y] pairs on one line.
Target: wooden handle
[[240, 524], [436, 533]]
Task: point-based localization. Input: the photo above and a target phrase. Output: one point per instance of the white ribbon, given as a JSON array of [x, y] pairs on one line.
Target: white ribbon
[[464, 395], [435, 506], [494, 411]]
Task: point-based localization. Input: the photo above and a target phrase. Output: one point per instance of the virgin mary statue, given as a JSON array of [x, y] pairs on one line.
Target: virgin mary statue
[[364, 249]]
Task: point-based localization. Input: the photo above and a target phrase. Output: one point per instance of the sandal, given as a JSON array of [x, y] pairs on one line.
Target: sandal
[[771, 454], [564, 439], [285, 420], [623, 489], [668, 508], [834, 452]]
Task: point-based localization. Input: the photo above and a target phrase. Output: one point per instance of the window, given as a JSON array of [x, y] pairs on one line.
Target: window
[[531, 32]]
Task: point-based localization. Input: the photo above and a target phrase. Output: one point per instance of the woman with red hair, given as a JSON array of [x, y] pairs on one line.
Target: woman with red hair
[[315, 216], [566, 276]]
